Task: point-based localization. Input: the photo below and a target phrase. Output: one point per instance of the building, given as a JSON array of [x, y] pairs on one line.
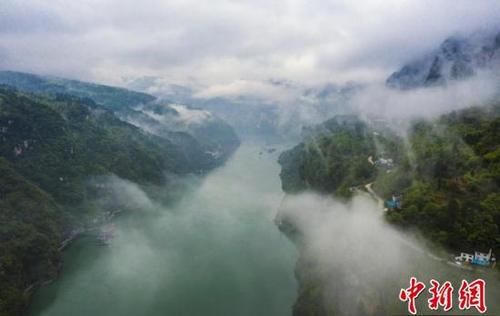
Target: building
[[384, 163], [478, 258], [394, 203], [482, 259], [465, 257]]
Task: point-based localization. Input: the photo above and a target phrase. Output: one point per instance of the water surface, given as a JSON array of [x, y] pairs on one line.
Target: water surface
[[215, 252]]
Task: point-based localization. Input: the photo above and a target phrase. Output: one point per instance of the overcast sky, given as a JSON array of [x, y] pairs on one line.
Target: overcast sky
[[217, 43]]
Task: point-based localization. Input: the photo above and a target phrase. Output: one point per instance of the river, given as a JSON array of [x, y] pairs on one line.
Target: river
[[216, 251]]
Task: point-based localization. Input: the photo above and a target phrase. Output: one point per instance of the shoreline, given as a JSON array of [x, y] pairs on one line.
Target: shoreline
[[75, 233]]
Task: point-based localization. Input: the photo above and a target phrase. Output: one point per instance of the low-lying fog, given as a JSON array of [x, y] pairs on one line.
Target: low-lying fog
[[214, 252], [363, 262]]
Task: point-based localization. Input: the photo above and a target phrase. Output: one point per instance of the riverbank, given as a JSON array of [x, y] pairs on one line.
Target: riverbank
[[214, 252]]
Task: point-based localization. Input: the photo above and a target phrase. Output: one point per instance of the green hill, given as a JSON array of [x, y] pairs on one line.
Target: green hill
[[334, 157], [447, 172], [205, 144], [453, 195], [50, 146], [30, 232], [110, 97]]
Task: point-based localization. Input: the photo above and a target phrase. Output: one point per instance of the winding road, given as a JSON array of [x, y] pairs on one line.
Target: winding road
[[380, 203]]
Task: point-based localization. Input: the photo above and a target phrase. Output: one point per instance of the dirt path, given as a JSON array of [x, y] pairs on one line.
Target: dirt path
[[380, 203], [379, 200]]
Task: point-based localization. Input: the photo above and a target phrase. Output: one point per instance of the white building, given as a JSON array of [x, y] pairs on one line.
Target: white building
[[385, 163], [465, 257], [478, 258]]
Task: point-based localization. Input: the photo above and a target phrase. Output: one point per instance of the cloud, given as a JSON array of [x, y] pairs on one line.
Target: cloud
[[359, 262], [247, 88], [380, 101], [220, 42]]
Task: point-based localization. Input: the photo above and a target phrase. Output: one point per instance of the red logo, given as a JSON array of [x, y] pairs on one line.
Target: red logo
[[471, 294], [441, 295], [410, 294]]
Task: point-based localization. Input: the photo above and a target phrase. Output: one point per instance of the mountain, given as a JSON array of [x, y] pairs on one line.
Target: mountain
[[261, 116], [444, 176], [446, 172], [456, 58], [113, 98], [57, 141], [206, 143], [441, 179], [201, 135], [334, 156], [30, 231], [451, 192], [49, 149], [49, 138]]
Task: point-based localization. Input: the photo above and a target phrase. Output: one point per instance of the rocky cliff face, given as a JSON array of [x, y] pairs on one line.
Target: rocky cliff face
[[455, 59]]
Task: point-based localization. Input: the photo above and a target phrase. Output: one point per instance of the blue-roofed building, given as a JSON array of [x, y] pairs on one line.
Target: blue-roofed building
[[394, 203], [482, 259]]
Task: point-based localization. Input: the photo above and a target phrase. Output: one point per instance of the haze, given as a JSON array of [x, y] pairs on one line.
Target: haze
[[229, 47]]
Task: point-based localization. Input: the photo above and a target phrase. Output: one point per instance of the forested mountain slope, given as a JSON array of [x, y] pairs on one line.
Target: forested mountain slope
[[445, 173], [206, 140], [51, 145]]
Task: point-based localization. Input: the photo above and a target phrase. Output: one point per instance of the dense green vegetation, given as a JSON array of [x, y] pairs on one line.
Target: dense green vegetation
[[50, 146], [110, 97], [59, 141], [446, 170], [453, 195], [196, 142], [334, 157], [30, 230]]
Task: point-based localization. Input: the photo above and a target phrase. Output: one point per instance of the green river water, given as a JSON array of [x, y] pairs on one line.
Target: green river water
[[214, 252]]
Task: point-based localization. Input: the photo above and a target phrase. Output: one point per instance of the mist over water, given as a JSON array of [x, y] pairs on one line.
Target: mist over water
[[362, 262], [216, 251]]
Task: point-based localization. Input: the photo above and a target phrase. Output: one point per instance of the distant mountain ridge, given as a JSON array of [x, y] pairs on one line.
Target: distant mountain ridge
[[256, 115], [199, 147], [110, 97], [456, 58]]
